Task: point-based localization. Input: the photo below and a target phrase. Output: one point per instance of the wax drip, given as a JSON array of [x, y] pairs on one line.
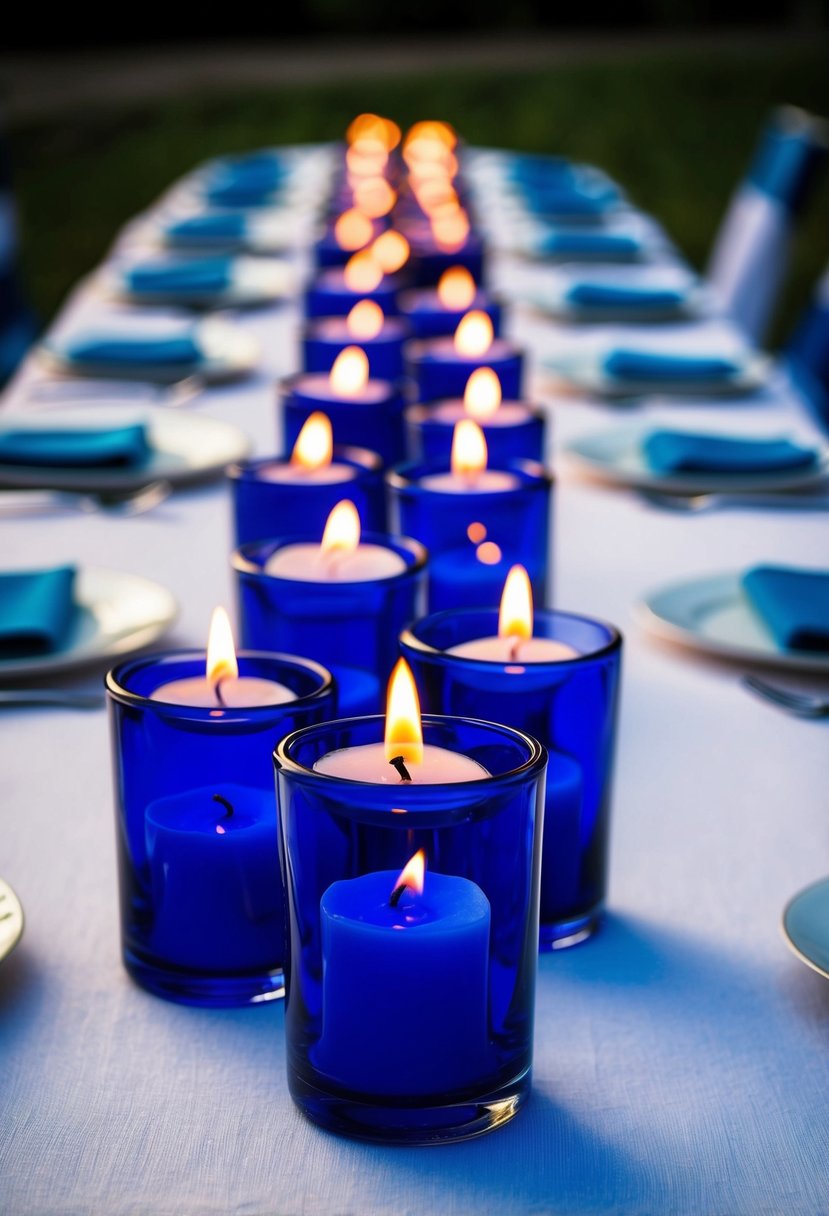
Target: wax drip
[[226, 804], [398, 763]]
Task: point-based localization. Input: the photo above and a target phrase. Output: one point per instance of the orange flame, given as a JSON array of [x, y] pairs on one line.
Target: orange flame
[[366, 158], [456, 288], [365, 320], [482, 394], [404, 733], [362, 272], [353, 230], [450, 231], [349, 372], [441, 132], [314, 443], [342, 530], [391, 251], [373, 196], [373, 126], [469, 454], [474, 334], [221, 653], [515, 618], [413, 873]]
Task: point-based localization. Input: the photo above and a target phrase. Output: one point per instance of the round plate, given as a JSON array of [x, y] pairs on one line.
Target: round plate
[[615, 456], [117, 614], [11, 920], [185, 447], [713, 615], [583, 371], [805, 926], [552, 298]]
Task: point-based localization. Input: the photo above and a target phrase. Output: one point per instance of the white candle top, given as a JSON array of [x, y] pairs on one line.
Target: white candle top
[[508, 413], [486, 481], [368, 763], [515, 650], [234, 692], [296, 474], [307, 563], [318, 386]]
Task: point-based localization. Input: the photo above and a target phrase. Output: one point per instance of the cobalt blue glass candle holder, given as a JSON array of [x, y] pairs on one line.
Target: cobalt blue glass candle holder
[[439, 371], [411, 1022], [329, 296], [202, 907], [327, 337], [355, 625], [268, 497], [428, 260], [516, 431], [428, 318], [371, 419], [475, 536], [571, 705], [329, 252]]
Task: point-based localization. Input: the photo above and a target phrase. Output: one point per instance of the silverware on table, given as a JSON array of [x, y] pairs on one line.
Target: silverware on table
[[801, 704], [66, 697], [695, 504], [22, 503], [176, 394]]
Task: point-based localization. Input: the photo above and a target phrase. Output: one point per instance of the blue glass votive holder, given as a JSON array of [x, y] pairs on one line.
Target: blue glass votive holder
[[268, 495], [329, 296], [329, 252], [571, 705], [428, 318], [411, 1023], [371, 419], [354, 625], [428, 260], [439, 371], [202, 906], [476, 535], [327, 337], [516, 431]]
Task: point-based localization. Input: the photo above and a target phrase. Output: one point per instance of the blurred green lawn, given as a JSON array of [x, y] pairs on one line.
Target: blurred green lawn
[[675, 131]]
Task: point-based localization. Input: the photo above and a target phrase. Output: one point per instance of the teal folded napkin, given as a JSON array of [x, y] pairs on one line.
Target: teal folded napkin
[[212, 226], [69, 449], [645, 365], [182, 350], [607, 295], [793, 604], [681, 452], [37, 609], [197, 275], [608, 245]]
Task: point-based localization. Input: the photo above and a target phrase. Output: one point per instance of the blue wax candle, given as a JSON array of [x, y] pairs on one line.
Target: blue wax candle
[[370, 417], [326, 337], [405, 988], [331, 296], [515, 431], [440, 370], [214, 876], [429, 318]]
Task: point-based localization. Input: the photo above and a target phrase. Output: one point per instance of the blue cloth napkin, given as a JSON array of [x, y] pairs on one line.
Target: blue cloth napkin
[[212, 226], [606, 245], [793, 604], [646, 365], [37, 609], [681, 451], [564, 201], [70, 449], [182, 350], [196, 275], [246, 184], [608, 295]]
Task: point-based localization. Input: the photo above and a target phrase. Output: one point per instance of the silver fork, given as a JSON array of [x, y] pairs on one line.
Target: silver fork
[[174, 395], [801, 704], [694, 504], [26, 503]]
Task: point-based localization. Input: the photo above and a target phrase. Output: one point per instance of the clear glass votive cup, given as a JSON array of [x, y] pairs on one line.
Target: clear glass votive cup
[[202, 905], [474, 537], [351, 628], [411, 1024], [571, 705]]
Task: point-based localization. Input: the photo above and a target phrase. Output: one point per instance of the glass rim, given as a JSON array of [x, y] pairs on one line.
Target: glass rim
[[287, 384], [399, 323], [532, 474], [409, 638], [116, 689], [492, 298], [423, 411], [242, 563], [361, 458]]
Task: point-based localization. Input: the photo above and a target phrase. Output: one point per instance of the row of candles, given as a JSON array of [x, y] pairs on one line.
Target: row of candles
[[410, 847]]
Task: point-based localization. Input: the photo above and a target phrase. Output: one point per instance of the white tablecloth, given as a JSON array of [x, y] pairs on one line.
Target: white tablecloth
[[681, 1055]]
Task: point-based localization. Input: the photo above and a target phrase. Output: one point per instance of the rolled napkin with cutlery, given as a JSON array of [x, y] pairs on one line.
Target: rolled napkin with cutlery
[[793, 604], [71, 448], [37, 611], [668, 451]]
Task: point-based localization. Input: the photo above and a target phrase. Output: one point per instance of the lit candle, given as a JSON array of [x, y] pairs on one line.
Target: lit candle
[[340, 558], [368, 327], [515, 643], [513, 429], [336, 290], [468, 466], [351, 231], [403, 757], [311, 460], [221, 687], [435, 312], [441, 367], [405, 982]]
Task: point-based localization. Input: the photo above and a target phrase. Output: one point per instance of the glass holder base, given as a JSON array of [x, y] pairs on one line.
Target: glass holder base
[[209, 991], [559, 935]]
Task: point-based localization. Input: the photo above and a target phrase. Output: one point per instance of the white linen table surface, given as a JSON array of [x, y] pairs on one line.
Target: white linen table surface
[[681, 1058]]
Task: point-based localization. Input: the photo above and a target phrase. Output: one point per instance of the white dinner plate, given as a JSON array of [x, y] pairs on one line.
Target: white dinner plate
[[713, 615], [117, 614], [805, 926], [583, 370], [184, 447], [227, 352], [11, 920], [616, 456], [253, 281]]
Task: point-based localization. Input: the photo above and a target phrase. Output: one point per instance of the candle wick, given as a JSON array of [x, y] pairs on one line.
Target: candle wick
[[515, 646], [394, 898], [399, 763], [217, 690], [227, 805]]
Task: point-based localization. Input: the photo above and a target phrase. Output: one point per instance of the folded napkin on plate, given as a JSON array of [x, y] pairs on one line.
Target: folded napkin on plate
[[793, 604], [243, 190], [607, 295], [650, 365], [75, 448], [609, 245], [564, 201], [118, 349], [37, 609], [213, 225], [683, 451], [193, 275]]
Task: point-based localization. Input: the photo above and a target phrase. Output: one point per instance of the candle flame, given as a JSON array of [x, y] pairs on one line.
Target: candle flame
[[366, 158], [515, 618], [482, 394], [373, 126], [404, 733], [349, 372], [456, 289], [413, 873], [221, 653], [391, 251], [353, 230], [474, 334], [314, 443], [365, 320], [362, 272], [450, 231], [342, 529], [439, 132], [435, 194], [469, 454], [373, 196]]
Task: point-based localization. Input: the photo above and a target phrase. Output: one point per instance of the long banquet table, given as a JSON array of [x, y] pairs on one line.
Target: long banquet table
[[681, 1061]]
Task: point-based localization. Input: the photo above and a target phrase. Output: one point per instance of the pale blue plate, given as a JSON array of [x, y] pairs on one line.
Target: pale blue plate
[[806, 926]]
